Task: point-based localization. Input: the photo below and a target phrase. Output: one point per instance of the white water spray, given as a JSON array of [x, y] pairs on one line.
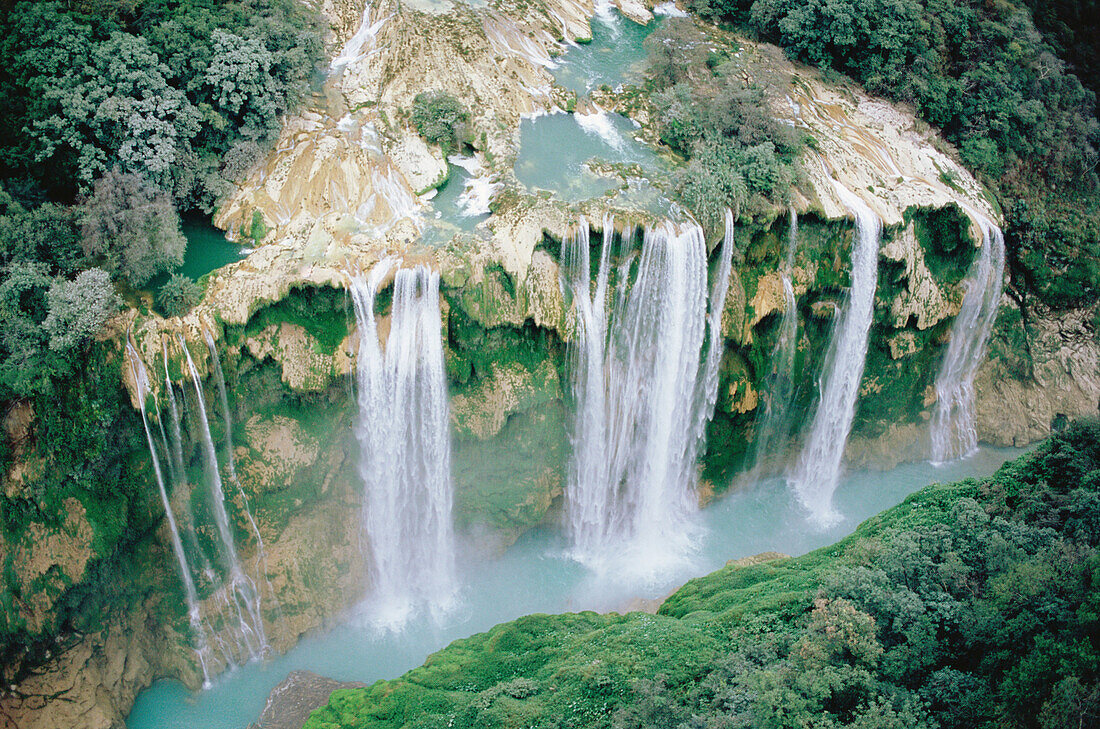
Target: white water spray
[[817, 471], [600, 124], [479, 188], [644, 386], [953, 433], [141, 382], [404, 438], [241, 592]]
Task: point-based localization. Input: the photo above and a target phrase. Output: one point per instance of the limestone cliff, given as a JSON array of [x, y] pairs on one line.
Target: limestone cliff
[[350, 182]]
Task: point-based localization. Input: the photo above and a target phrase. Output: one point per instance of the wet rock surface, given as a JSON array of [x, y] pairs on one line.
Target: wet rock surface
[[289, 704]]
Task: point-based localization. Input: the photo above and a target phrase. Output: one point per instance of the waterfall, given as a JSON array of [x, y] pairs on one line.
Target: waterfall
[[231, 462], [644, 382], [773, 420], [241, 594], [953, 432], [141, 382], [404, 440], [817, 471]]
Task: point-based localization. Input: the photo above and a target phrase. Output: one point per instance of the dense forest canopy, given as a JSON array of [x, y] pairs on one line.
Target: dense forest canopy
[[998, 89], [118, 115], [970, 605]]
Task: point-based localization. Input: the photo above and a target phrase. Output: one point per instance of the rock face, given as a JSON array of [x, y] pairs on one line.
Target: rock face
[[347, 185], [1015, 408], [290, 702]]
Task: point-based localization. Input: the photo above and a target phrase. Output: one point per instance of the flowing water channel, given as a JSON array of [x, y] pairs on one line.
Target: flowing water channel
[[537, 575]]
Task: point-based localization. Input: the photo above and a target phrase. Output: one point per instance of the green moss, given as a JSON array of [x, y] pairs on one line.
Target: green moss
[[944, 236], [506, 482], [321, 311]]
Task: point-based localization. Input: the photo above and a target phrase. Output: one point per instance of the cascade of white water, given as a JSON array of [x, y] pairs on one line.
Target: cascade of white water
[[706, 387], [953, 433], [815, 476], [141, 381], [404, 437], [240, 591], [644, 386], [231, 461]]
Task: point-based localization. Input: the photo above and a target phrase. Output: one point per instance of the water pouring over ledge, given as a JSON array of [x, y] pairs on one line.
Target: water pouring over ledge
[[644, 369], [953, 432], [404, 438], [815, 475]]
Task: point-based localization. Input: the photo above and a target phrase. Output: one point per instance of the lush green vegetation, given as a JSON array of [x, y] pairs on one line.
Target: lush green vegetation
[[118, 114], [984, 74], [970, 605], [441, 119], [178, 295], [740, 157]]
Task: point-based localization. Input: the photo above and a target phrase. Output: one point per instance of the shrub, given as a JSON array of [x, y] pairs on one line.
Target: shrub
[[133, 227], [178, 295], [440, 118]]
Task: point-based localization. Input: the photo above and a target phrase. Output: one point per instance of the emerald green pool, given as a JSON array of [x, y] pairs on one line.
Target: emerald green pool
[[207, 250]]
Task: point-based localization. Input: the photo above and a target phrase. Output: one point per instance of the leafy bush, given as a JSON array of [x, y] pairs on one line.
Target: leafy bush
[[440, 118], [133, 227], [78, 309], [739, 156], [178, 295], [162, 88]]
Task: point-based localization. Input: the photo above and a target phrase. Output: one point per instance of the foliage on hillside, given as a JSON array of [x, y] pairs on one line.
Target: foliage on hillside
[[739, 156], [117, 114], [997, 88], [970, 605]]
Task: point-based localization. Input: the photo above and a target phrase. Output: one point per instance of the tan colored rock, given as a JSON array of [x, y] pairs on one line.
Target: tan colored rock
[[902, 344], [1065, 349], [635, 10], [278, 449], [57, 555], [482, 410], [305, 365], [921, 302], [768, 299]]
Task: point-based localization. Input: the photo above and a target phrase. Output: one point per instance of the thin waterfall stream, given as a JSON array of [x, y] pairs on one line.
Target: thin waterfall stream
[[953, 432], [194, 612], [241, 595], [817, 472], [404, 439]]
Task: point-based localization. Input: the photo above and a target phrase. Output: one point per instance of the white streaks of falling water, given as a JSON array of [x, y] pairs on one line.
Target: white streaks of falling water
[[815, 475], [953, 432], [404, 437]]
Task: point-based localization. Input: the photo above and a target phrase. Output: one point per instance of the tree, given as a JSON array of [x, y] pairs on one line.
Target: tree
[[240, 79], [79, 308], [120, 105], [133, 227], [179, 295], [440, 118]]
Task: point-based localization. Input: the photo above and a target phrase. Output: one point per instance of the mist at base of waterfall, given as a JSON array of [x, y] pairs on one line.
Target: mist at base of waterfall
[[538, 575]]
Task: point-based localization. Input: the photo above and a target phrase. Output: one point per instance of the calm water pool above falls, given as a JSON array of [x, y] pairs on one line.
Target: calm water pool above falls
[[536, 576]]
